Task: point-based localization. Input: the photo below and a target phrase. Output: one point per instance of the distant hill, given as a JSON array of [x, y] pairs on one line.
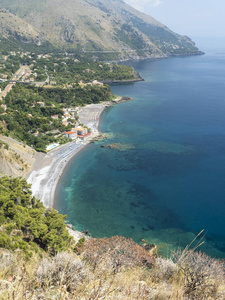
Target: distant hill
[[92, 26]]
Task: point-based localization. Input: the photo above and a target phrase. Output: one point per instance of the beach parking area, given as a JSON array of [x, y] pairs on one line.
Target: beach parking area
[[90, 114]]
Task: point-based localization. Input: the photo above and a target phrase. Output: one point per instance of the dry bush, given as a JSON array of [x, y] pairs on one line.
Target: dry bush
[[64, 269], [200, 275], [7, 264], [164, 270], [134, 284], [16, 275], [128, 284], [116, 252]]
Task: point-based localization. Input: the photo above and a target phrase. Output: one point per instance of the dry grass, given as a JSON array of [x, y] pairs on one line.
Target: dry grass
[[17, 276], [64, 270]]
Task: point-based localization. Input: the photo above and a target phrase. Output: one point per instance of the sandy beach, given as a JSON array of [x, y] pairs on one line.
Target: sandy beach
[[49, 167]]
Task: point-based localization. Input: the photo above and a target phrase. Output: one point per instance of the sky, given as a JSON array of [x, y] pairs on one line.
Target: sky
[[195, 18]]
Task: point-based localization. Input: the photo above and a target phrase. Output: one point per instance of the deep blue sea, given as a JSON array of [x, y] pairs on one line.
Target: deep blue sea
[[163, 179]]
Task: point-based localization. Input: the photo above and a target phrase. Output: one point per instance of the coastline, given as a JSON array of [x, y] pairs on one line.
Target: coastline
[[48, 168], [136, 79]]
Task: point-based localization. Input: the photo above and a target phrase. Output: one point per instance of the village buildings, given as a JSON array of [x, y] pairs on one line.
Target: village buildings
[[71, 135], [55, 117], [79, 132]]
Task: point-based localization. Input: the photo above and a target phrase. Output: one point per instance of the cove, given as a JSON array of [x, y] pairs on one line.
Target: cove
[[160, 175]]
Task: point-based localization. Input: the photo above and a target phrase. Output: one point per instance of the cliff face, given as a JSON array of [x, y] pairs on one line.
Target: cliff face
[[92, 26], [15, 159]]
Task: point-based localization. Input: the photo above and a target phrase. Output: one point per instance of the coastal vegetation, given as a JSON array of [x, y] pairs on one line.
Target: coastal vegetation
[[39, 260], [62, 69], [73, 69]]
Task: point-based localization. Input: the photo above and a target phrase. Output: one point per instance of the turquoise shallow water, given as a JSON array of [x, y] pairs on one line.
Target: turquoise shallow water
[[164, 178]]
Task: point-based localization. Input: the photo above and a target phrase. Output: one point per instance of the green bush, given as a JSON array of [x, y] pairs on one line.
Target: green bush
[[22, 214], [5, 241]]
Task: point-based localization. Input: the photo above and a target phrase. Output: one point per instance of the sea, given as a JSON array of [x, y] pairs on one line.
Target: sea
[[160, 174]]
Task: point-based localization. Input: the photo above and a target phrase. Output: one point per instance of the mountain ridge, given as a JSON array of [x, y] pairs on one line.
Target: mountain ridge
[[91, 26]]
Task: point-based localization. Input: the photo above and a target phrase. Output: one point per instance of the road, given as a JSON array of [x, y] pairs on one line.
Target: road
[[40, 83], [19, 73]]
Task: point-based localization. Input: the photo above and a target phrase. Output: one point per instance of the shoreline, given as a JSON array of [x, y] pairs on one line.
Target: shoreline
[[136, 79], [48, 168]]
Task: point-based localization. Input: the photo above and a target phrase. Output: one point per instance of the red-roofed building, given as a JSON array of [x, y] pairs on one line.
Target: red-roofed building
[[56, 117], [81, 130], [71, 134], [4, 106], [67, 116], [85, 136]]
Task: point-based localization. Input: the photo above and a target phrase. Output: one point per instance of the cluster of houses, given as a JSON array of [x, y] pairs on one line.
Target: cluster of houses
[[79, 132], [28, 76], [21, 54], [69, 113]]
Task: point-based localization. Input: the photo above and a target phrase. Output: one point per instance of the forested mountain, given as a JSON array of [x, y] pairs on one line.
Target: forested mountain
[[90, 25]]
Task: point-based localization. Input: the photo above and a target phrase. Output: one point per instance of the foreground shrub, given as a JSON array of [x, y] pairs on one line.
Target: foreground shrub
[[64, 269], [8, 263], [164, 270], [200, 274], [117, 252]]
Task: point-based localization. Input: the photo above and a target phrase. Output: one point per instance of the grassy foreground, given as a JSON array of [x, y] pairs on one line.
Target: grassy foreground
[[68, 275]]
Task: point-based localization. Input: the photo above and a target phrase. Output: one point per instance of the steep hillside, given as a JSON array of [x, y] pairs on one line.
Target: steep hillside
[[91, 25], [15, 159], [11, 25]]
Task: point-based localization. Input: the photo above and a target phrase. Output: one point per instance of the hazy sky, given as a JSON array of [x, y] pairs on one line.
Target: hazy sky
[[189, 17]]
